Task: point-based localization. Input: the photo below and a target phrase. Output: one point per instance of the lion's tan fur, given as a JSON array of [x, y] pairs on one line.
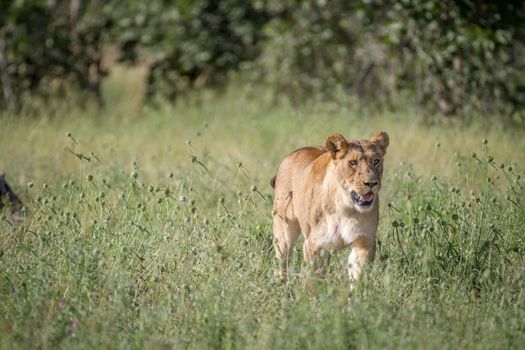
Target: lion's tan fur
[[313, 196]]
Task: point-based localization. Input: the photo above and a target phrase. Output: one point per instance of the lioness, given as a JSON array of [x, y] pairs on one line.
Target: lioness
[[330, 195]]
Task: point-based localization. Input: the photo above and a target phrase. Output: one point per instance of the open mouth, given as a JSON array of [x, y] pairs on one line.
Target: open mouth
[[363, 199]]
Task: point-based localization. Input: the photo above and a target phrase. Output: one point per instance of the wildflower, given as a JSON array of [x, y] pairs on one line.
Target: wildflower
[[74, 328]]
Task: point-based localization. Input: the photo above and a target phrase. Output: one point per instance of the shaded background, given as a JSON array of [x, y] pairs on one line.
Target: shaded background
[[454, 58]]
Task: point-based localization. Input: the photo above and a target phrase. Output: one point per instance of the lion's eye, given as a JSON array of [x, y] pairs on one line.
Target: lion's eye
[[376, 161], [353, 162]]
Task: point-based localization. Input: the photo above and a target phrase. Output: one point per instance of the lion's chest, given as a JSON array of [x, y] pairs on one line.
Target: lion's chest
[[337, 232]]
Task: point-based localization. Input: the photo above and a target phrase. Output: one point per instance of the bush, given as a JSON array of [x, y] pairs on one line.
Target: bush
[[47, 47], [454, 57], [451, 56], [192, 43]]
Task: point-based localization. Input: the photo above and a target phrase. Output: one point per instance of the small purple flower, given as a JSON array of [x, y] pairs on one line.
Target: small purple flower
[[61, 304], [74, 328]]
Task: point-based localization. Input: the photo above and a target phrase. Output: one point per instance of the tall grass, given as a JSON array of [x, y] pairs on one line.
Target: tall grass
[[151, 228]]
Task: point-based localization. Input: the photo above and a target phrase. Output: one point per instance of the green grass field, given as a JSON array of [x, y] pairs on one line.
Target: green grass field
[[159, 236]]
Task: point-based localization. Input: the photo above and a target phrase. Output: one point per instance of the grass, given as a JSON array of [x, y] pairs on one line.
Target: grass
[[159, 235]]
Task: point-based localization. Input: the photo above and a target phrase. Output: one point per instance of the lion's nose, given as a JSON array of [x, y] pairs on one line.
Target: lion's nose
[[371, 183]]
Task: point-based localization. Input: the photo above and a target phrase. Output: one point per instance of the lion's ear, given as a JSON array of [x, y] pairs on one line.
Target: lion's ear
[[337, 146], [381, 138]]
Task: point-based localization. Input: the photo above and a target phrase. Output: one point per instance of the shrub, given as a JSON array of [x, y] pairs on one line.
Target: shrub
[[47, 47], [450, 56], [192, 43]]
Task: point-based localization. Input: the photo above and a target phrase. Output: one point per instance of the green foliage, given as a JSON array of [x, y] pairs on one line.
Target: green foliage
[[315, 47], [192, 43], [47, 47], [455, 57], [452, 56], [465, 55]]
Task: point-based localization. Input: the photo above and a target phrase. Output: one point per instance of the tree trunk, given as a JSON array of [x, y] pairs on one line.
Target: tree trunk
[[5, 79]]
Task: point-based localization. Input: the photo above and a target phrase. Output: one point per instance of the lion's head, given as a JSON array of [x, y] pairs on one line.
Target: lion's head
[[358, 167]]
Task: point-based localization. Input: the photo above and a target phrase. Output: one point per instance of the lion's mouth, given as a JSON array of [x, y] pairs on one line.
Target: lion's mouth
[[363, 199]]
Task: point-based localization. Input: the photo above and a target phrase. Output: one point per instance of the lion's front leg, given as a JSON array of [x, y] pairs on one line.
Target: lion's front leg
[[317, 258], [363, 251]]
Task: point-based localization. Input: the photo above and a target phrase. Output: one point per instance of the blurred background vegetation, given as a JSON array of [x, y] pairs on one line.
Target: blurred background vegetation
[[453, 58]]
